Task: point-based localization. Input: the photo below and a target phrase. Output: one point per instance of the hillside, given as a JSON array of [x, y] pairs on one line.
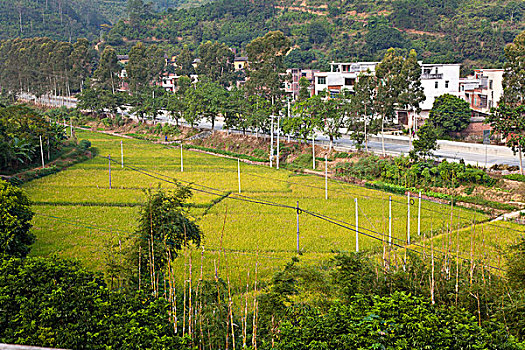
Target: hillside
[[69, 20], [472, 32]]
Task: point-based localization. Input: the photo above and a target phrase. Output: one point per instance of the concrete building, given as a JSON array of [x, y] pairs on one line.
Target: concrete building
[[291, 85], [436, 80], [240, 63], [482, 90], [341, 76]]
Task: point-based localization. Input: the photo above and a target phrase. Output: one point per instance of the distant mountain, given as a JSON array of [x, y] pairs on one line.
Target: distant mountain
[[470, 31]]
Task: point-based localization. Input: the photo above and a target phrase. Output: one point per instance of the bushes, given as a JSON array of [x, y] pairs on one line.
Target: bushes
[[401, 171], [515, 177]]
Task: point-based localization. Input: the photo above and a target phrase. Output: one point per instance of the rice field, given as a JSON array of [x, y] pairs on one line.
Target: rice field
[[79, 216]]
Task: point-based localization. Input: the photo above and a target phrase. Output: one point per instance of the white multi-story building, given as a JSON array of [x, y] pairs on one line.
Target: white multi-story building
[[341, 76], [436, 80]]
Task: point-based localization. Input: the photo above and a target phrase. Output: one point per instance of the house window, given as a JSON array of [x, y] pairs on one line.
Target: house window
[[321, 80], [446, 84], [349, 81], [436, 85], [490, 84]]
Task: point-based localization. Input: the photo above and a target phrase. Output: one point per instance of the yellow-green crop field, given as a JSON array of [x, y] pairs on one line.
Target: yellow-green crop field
[[79, 216]]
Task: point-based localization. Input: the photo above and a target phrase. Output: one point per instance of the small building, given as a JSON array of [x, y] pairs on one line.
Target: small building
[[293, 75], [123, 59], [482, 90], [436, 80], [240, 63]]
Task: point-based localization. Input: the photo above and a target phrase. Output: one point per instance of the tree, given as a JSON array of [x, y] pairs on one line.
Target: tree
[[266, 55], [412, 93], [306, 117], [450, 113], [57, 303], [15, 221], [144, 67], [106, 76], [507, 119], [304, 89], [164, 229], [216, 62], [185, 62], [361, 109], [389, 85], [389, 322], [426, 141], [509, 122]]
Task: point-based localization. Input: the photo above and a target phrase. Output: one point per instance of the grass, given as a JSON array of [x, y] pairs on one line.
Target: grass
[[251, 232]]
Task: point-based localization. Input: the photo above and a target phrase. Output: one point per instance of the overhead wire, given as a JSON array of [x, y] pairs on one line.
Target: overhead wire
[[337, 222]]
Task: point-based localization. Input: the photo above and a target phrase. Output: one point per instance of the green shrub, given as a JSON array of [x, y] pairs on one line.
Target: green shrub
[[515, 177], [84, 145]]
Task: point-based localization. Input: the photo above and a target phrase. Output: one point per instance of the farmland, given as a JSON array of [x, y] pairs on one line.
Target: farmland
[[79, 216]]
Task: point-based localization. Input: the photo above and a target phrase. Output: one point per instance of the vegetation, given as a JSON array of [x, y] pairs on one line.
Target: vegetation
[[402, 171], [21, 131], [322, 31], [450, 114], [15, 221], [507, 118]]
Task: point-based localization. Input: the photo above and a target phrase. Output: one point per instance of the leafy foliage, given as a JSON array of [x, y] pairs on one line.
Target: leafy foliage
[[450, 113], [15, 221], [60, 304]]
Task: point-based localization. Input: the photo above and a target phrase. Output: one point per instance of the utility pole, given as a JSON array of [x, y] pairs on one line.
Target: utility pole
[[181, 159], [313, 151], [239, 173], [278, 137], [42, 152], [408, 218], [271, 143], [356, 227], [109, 158], [121, 154], [298, 211], [325, 177]]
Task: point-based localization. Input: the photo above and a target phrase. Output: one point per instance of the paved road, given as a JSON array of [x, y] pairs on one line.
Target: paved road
[[475, 157]]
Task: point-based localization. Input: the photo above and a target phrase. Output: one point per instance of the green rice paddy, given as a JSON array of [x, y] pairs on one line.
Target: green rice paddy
[[79, 216]]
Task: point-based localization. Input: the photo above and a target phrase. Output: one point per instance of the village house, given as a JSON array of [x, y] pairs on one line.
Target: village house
[[436, 80], [293, 75]]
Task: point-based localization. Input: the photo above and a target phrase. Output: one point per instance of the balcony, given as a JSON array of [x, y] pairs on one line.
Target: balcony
[[432, 76]]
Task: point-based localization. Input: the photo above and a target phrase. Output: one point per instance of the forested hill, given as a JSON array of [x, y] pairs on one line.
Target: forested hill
[[57, 19], [69, 19], [470, 31]]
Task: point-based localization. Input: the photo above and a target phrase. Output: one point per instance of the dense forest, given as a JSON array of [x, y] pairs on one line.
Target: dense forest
[[69, 20], [321, 31], [444, 31]]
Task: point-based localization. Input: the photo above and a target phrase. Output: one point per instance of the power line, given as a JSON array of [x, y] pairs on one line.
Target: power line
[[320, 216]]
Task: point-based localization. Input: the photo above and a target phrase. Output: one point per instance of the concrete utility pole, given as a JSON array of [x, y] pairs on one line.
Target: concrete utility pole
[[239, 173], [325, 177], [408, 218], [278, 137], [109, 158], [390, 220], [42, 152], [356, 227], [313, 151], [181, 159], [271, 143], [297, 210]]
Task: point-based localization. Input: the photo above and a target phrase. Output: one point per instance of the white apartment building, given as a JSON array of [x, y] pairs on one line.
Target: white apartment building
[[436, 80]]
